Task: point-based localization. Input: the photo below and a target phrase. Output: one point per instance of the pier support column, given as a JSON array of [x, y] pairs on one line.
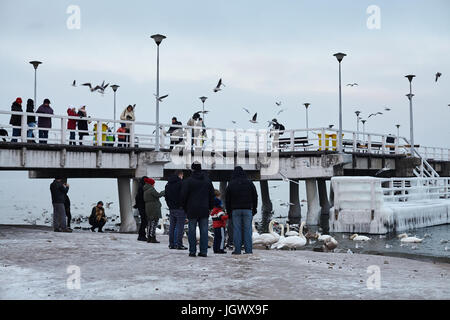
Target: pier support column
[[312, 196], [295, 214], [331, 195], [266, 208], [324, 206], [127, 221]]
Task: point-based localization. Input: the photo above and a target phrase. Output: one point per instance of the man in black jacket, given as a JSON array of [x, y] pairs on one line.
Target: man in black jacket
[[82, 124], [140, 205], [177, 215], [241, 201], [197, 199], [59, 190], [31, 121]]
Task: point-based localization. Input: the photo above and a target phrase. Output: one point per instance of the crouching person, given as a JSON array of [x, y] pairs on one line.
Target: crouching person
[[98, 217], [152, 208]]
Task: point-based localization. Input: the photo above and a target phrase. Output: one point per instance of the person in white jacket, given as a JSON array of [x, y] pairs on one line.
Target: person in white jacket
[[128, 114]]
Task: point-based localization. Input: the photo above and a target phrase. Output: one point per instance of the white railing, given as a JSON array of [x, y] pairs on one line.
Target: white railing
[[409, 189], [143, 135]]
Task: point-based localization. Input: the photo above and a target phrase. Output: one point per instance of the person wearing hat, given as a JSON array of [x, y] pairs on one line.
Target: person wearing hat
[[152, 208], [197, 199], [44, 122], [82, 124], [276, 131], [176, 133], [128, 115], [192, 122], [58, 190], [16, 119], [97, 218], [72, 125]]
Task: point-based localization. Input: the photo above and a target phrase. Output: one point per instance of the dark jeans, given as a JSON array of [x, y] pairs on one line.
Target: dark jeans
[[203, 226], [81, 135], [16, 133], [176, 228], [230, 230], [72, 138], [144, 222], [219, 240], [242, 229], [98, 224], [59, 216], [69, 217], [43, 134]]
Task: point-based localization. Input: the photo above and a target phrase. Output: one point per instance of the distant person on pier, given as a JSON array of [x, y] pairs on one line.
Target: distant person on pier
[[58, 191], [176, 133], [276, 131], [197, 199], [140, 205], [16, 119], [192, 122], [97, 218], [31, 121], [122, 139], [44, 122], [177, 216], [152, 208], [242, 202], [72, 125], [128, 114], [219, 218], [82, 124]]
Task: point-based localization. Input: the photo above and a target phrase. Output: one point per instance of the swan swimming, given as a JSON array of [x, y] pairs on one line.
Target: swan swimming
[[404, 238], [356, 237]]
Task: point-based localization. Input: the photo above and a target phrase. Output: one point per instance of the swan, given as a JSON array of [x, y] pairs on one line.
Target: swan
[[160, 231], [403, 235], [405, 238], [197, 234], [356, 237], [330, 244], [324, 237], [295, 242], [255, 233], [280, 243], [290, 233], [267, 239]]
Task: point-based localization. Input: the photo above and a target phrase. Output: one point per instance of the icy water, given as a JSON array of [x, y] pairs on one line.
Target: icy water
[[28, 201]]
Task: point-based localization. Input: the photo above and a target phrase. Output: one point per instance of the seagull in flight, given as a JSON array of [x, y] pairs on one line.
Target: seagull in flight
[[246, 110], [253, 120], [205, 112], [160, 99], [286, 179], [281, 111], [278, 103], [374, 114], [74, 83], [438, 74], [108, 204], [219, 84], [90, 87], [387, 109], [330, 126], [234, 122], [352, 84]]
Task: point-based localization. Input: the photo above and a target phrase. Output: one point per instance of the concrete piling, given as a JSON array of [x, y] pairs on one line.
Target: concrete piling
[[127, 221], [294, 215], [324, 206], [266, 208], [312, 196]]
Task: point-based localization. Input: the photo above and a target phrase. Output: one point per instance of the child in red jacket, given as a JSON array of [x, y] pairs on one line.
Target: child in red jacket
[[219, 218]]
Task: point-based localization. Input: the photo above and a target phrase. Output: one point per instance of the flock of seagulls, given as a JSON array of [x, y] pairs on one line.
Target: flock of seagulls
[[99, 88]]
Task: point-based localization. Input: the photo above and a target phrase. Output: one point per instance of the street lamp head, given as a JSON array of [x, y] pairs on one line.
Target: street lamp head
[[358, 113], [410, 77], [397, 125], [35, 64], [115, 87], [307, 105], [158, 38], [339, 56], [363, 121], [203, 99], [410, 95]]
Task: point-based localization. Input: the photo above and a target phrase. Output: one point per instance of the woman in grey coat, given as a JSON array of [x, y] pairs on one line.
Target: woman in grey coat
[[152, 208]]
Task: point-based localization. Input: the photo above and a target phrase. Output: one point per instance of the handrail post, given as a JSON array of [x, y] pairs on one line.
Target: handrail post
[[132, 135], [369, 143], [24, 127], [257, 142], [354, 141], [99, 133], [323, 139], [292, 140], [383, 144], [63, 131], [235, 142]]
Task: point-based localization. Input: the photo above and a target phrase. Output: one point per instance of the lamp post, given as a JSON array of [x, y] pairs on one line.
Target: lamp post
[[398, 131], [115, 87], [364, 130], [307, 127], [35, 65], [411, 124], [203, 99], [339, 56], [357, 124], [158, 39]]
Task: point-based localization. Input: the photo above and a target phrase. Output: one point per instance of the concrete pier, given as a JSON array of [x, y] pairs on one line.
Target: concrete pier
[[127, 221], [312, 196], [294, 214], [266, 208], [324, 205]]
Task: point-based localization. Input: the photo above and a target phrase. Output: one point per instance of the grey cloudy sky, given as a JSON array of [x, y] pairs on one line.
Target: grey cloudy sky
[[265, 51]]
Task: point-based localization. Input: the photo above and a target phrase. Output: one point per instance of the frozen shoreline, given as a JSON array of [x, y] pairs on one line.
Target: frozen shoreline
[[34, 261]]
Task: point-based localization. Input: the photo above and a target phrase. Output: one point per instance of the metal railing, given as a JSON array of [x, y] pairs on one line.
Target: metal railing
[[409, 189]]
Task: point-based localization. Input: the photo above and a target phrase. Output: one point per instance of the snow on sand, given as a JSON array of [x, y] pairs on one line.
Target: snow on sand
[[34, 261]]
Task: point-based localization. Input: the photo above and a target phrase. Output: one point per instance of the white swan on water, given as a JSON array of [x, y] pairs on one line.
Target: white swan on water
[[405, 238], [267, 239], [356, 237], [290, 233]]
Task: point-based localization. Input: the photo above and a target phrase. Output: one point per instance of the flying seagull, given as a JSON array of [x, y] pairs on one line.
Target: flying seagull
[[438, 74], [374, 114], [330, 126], [108, 204], [246, 110], [160, 99], [219, 84], [281, 111], [286, 179], [352, 84], [278, 103], [253, 120], [90, 86], [233, 121], [387, 109], [205, 112], [74, 83]]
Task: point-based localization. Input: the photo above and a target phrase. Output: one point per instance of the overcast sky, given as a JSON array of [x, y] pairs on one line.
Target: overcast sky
[[265, 51]]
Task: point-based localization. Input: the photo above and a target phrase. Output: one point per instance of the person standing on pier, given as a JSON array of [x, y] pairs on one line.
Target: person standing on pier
[[152, 208], [140, 205], [31, 121], [72, 125], [192, 122], [176, 133], [82, 124], [16, 119], [177, 215], [97, 218], [242, 202], [44, 122], [197, 199], [58, 191], [128, 114]]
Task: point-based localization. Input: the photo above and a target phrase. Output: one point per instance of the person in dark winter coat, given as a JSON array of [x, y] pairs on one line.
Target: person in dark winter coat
[[58, 191], [44, 122], [16, 119], [176, 133], [82, 124], [152, 208], [140, 205], [219, 218], [67, 210], [242, 202], [177, 216], [97, 218], [31, 120], [197, 199], [72, 125]]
